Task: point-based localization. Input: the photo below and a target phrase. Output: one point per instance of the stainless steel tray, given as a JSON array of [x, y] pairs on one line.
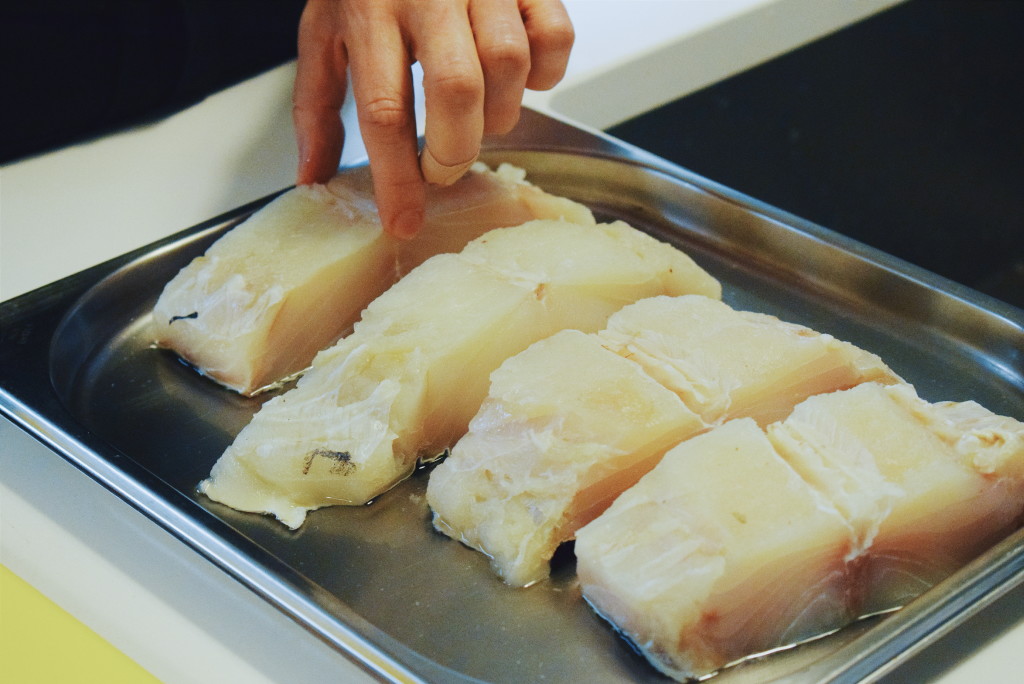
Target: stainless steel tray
[[77, 370]]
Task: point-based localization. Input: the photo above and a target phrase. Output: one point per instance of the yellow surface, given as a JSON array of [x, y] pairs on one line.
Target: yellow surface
[[40, 643]]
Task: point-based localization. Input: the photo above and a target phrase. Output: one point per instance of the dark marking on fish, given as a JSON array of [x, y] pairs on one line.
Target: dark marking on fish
[[341, 461], [194, 314]]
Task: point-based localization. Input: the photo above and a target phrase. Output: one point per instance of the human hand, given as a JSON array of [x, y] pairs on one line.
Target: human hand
[[478, 56]]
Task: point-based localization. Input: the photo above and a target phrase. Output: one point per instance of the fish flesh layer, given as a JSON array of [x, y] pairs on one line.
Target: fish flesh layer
[[926, 487], [744, 539], [574, 420], [405, 384], [293, 278]]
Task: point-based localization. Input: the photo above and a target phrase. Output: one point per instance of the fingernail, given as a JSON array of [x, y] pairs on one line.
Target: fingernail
[[406, 225]]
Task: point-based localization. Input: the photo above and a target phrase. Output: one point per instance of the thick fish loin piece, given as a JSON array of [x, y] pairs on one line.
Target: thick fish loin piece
[[720, 552], [479, 202], [727, 364], [566, 427], [526, 476], [927, 487], [405, 384], [275, 289], [290, 280]]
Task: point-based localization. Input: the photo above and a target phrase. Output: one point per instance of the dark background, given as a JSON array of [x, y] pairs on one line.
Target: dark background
[[76, 69], [904, 131]]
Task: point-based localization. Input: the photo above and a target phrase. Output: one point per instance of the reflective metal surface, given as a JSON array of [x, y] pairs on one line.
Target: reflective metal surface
[[78, 371]]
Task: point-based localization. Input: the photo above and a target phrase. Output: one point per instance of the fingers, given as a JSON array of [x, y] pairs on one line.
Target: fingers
[[504, 52], [382, 84], [478, 56], [318, 94], [453, 90], [551, 38], [521, 44]]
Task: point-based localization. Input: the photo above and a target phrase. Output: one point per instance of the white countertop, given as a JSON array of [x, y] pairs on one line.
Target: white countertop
[[133, 583]]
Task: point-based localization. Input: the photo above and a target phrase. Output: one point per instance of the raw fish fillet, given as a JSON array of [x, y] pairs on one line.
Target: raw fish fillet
[[289, 281], [479, 202], [727, 364], [566, 427], [572, 422], [405, 384], [927, 487], [920, 489], [719, 552]]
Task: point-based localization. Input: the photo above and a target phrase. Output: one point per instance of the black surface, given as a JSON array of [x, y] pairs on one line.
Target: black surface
[[75, 69], [904, 131]]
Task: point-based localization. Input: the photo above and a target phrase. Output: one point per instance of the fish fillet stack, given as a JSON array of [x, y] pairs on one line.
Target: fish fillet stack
[[290, 280], [405, 384], [573, 421], [745, 539], [734, 483]]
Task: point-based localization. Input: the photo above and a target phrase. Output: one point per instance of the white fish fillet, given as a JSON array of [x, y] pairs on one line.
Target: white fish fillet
[[290, 280], [920, 489], [405, 384], [573, 421], [719, 552], [926, 486], [566, 427], [727, 364]]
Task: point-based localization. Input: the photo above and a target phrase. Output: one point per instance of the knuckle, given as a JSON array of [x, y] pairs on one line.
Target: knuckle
[[383, 111], [505, 56], [458, 85]]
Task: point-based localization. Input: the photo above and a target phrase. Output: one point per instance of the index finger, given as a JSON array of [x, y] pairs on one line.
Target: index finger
[[382, 84], [318, 95]]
